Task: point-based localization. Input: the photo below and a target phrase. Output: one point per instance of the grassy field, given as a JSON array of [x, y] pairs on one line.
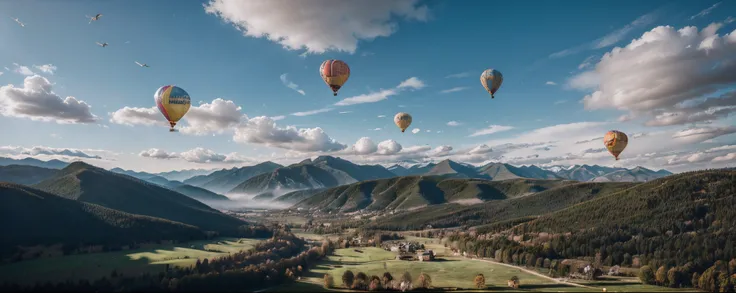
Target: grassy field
[[446, 272], [96, 265]]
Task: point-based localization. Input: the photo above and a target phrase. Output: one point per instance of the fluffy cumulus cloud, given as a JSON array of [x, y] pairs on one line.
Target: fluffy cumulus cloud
[[365, 146], [48, 151], [318, 25], [285, 80], [219, 116], [263, 130], [415, 130], [196, 155], [389, 147], [411, 83], [640, 77], [610, 39], [36, 100], [491, 130]]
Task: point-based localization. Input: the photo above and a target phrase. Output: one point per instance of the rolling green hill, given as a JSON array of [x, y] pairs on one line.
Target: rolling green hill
[[25, 174], [410, 192], [83, 182], [41, 218]]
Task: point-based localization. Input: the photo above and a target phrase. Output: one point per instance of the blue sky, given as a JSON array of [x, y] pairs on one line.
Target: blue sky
[[549, 52]]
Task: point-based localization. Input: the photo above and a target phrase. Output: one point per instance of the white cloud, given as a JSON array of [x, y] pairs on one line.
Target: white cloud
[[695, 135], [491, 130], [381, 116], [441, 151], [36, 101], [24, 70], [550, 83], [196, 155], [377, 129], [389, 147], [458, 75], [291, 85], [481, 149], [639, 77], [1, 73], [560, 102], [263, 130], [157, 154], [412, 83], [345, 112], [587, 62], [319, 25], [217, 117], [277, 118], [698, 111], [308, 113], [609, 39], [452, 90], [454, 123], [365, 146], [706, 11], [49, 151], [137, 116], [415, 130], [46, 68]]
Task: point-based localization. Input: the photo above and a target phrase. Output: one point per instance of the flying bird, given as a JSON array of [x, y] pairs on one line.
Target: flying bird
[[94, 18], [18, 21], [102, 44], [142, 65]]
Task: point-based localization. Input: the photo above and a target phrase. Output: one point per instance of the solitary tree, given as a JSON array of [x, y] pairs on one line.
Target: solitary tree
[[646, 275], [347, 279], [480, 281]]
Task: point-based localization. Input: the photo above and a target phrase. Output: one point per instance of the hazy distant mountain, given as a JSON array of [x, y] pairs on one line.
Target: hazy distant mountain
[[638, 174], [586, 172], [323, 172], [226, 179], [185, 189], [182, 175], [51, 164], [24, 174], [83, 182], [408, 192], [448, 167]]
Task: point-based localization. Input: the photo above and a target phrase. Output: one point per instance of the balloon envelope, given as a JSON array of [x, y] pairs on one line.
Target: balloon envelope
[[402, 120], [615, 141], [173, 102], [491, 80], [335, 73]]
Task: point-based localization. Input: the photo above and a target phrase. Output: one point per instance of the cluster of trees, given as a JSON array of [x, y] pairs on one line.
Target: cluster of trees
[[720, 277], [361, 281], [271, 262]]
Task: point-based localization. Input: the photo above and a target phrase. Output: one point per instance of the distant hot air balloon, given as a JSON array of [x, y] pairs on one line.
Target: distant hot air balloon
[[173, 102], [402, 120], [491, 80], [335, 73], [615, 142]]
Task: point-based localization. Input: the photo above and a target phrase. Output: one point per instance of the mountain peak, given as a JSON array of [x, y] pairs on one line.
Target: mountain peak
[[78, 166]]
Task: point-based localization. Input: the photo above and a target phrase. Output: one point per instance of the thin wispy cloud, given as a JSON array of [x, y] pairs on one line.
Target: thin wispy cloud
[[277, 118], [706, 11], [550, 83], [458, 75], [345, 112], [491, 130], [455, 89], [411, 83], [285, 80], [560, 102], [381, 116], [610, 39], [307, 113], [453, 123]]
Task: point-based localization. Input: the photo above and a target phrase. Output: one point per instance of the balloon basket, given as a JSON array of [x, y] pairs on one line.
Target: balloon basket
[[172, 130]]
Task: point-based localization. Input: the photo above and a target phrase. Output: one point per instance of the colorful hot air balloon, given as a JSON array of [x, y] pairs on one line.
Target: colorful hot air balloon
[[491, 80], [335, 73], [402, 120], [173, 102], [615, 142]]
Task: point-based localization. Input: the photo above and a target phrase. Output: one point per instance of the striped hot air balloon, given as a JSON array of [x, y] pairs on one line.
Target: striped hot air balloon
[[173, 102], [335, 73], [615, 141]]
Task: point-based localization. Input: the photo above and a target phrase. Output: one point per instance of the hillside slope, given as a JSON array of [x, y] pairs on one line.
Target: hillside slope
[[25, 174], [408, 192], [185, 189], [83, 182], [226, 179], [41, 218]]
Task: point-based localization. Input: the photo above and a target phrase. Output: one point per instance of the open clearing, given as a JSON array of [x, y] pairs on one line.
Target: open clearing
[[130, 262], [446, 272]]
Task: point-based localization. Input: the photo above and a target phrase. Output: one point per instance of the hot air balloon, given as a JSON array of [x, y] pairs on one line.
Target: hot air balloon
[[491, 80], [402, 120], [615, 142], [335, 73], [173, 102]]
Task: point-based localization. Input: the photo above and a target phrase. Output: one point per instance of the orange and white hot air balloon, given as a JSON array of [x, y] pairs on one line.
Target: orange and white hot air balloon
[[402, 120], [615, 141], [335, 73]]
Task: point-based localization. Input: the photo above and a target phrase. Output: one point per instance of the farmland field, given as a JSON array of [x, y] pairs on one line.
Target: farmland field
[[130, 262]]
